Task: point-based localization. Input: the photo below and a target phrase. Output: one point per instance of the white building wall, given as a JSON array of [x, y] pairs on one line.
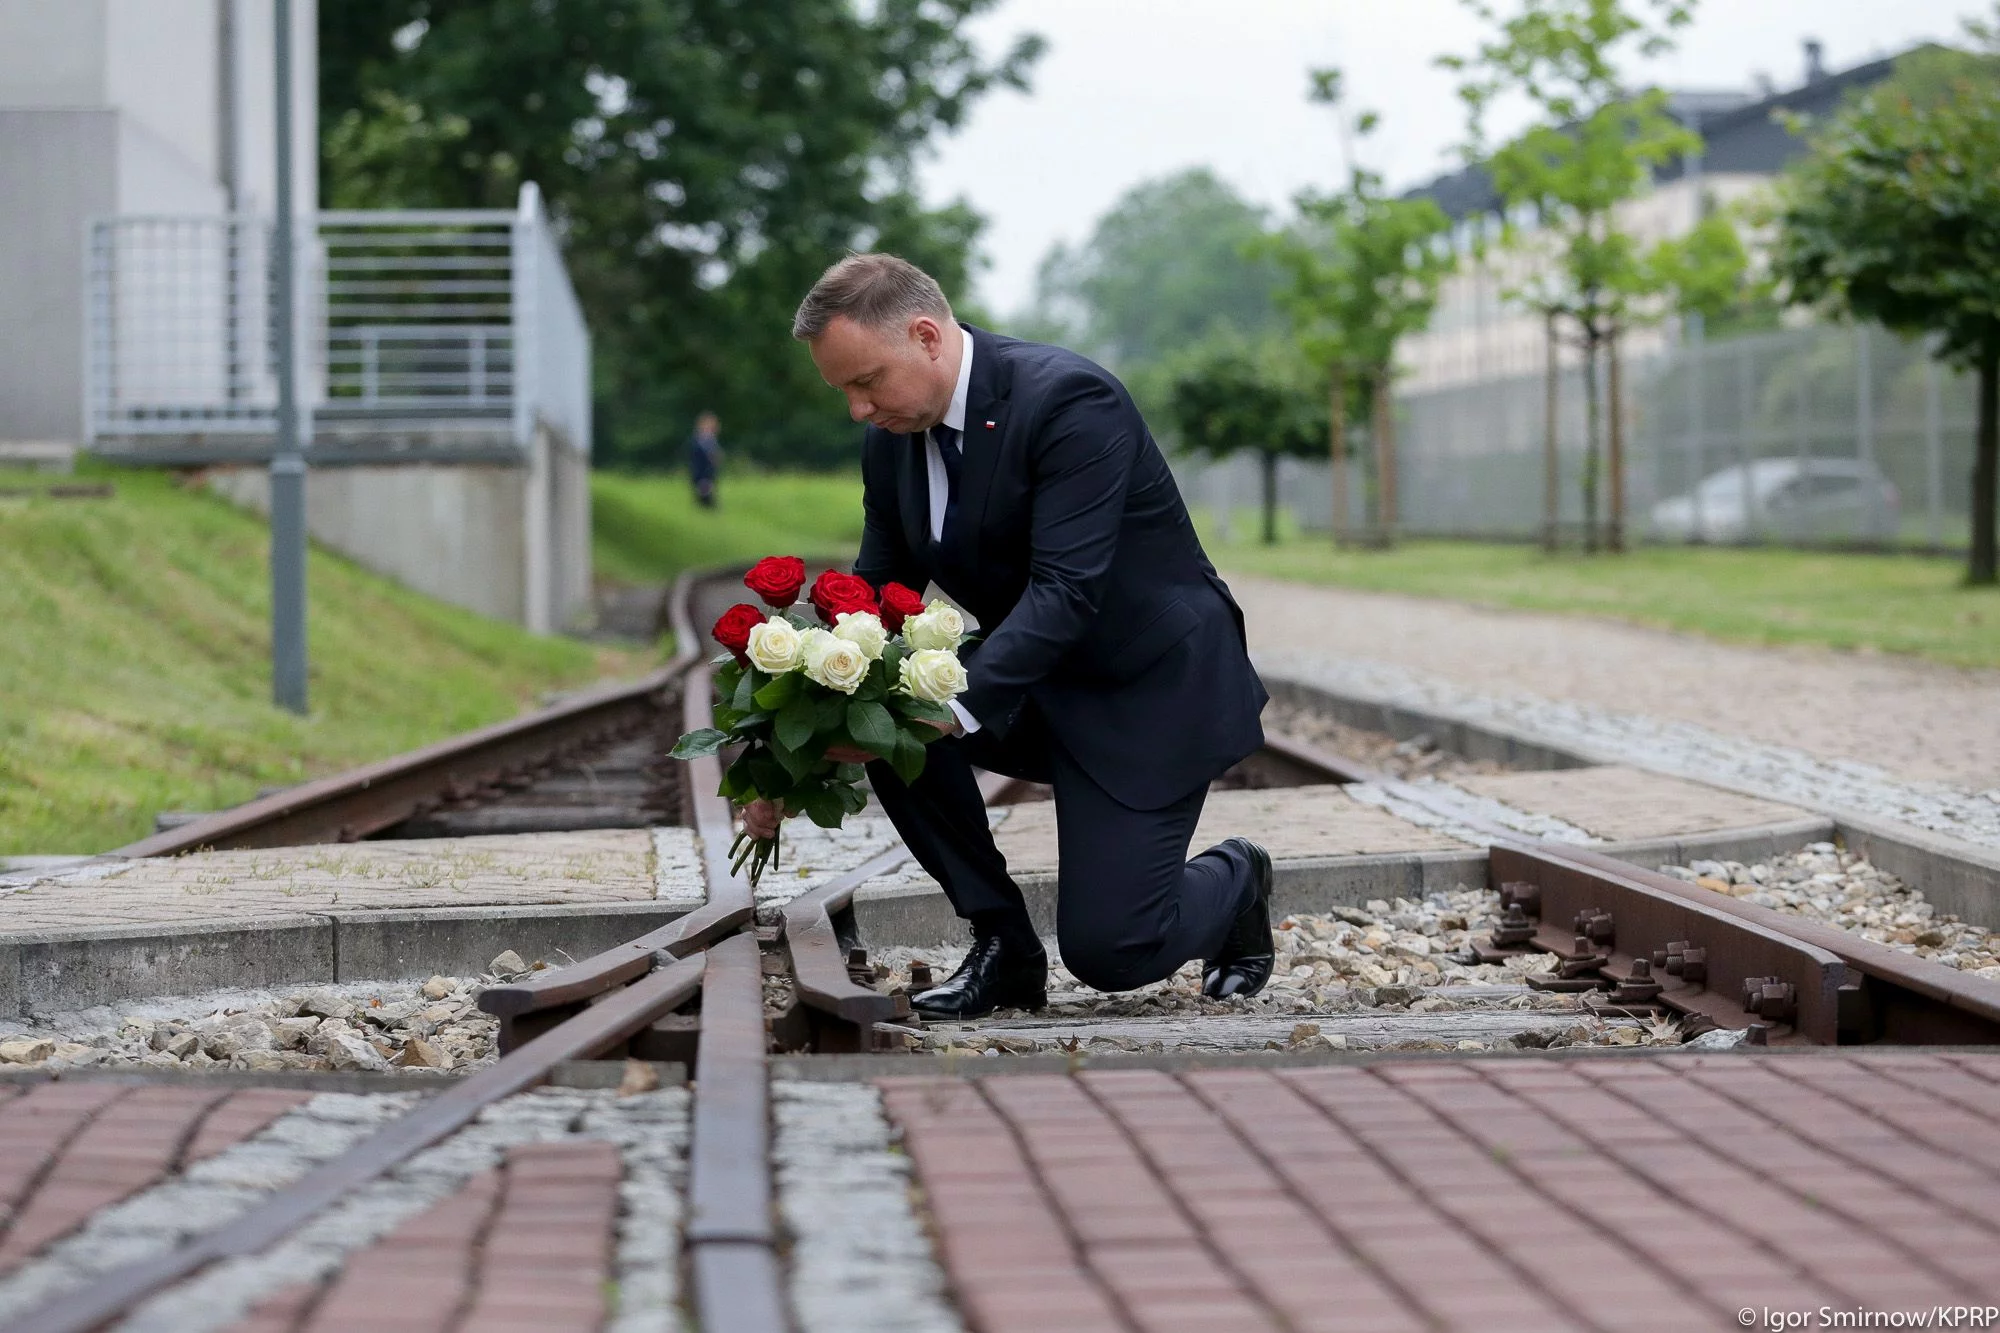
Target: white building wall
[[1480, 331], [117, 106]]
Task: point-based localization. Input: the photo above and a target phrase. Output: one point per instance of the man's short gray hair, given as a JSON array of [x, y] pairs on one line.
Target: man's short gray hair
[[875, 291]]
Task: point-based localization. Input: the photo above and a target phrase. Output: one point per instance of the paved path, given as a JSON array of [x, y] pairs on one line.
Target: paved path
[[1490, 1195], [1917, 721]]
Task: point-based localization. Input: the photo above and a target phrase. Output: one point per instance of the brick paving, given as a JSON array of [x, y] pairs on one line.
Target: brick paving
[[1493, 1194], [525, 1248], [68, 1150]]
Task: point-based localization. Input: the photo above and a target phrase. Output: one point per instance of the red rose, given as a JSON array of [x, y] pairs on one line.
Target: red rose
[[834, 592], [898, 605], [733, 630], [777, 579]]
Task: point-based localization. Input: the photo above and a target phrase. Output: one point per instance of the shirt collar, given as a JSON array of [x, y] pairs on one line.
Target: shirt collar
[[954, 416]]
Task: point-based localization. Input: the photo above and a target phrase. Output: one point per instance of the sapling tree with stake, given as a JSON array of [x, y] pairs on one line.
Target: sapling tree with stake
[[1362, 270], [1594, 148]]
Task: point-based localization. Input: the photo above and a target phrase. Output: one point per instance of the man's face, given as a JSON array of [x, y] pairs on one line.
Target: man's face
[[898, 379]]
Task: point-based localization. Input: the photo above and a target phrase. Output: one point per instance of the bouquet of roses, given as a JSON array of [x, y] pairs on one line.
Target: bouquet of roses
[[874, 673]]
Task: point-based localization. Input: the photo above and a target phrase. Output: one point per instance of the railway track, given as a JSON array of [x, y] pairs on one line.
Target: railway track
[[1628, 941]]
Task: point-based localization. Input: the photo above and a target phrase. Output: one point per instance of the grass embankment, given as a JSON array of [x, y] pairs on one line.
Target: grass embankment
[[647, 529], [1869, 603], [134, 665]]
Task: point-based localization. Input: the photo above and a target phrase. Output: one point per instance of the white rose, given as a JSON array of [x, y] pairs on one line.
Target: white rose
[[863, 630], [937, 626], [774, 646], [933, 674], [834, 662]]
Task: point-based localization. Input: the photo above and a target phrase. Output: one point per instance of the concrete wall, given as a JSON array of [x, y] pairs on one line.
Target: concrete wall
[[508, 541], [132, 107]]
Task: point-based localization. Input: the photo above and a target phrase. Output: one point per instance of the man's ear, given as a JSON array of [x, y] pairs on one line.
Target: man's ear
[[928, 335]]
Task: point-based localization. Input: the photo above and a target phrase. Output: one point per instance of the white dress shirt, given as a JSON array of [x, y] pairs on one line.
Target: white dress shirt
[[954, 417]]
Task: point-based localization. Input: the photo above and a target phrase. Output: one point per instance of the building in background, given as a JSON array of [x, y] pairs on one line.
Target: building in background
[[1477, 334], [1809, 434], [445, 364]]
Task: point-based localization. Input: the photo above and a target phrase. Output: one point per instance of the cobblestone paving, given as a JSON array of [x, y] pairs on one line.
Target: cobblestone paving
[[555, 1210], [1422, 1195], [1910, 720], [602, 866], [859, 1259], [1705, 753]]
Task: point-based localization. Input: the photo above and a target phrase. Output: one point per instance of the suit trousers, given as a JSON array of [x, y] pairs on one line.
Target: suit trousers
[[1130, 906]]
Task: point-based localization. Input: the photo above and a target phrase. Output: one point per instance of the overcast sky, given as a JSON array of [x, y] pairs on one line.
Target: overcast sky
[[1133, 89]]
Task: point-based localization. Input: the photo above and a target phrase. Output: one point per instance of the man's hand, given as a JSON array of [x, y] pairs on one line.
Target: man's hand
[[849, 754], [761, 819]]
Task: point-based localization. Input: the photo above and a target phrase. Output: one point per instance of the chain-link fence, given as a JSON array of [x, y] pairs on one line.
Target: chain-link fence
[[1813, 436]]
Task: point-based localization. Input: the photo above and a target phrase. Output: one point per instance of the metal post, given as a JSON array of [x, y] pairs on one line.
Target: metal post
[[1864, 401], [288, 465], [1697, 407], [1933, 447], [1746, 407]]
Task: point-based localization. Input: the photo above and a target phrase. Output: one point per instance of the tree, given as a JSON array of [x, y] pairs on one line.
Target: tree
[[1595, 148], [1231, 394], [1363, 270], [1165, 268], [704, 160], [1894, 216]]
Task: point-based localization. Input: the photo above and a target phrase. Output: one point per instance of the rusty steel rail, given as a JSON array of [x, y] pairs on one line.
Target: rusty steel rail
[[1636, 939], [525, 1008], [352, 805], [599, 1029]]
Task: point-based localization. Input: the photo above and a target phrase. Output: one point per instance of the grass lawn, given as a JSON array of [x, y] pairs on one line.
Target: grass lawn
[[647, 529], [134, 665], [1869, 603]]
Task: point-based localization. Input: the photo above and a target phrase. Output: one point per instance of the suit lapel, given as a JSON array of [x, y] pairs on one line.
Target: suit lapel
[[913, 496], [985, 402]]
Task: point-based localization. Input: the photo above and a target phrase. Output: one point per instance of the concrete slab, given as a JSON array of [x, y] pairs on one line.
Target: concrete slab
[[1295, 823], [1623, 804], [602, 866], [100, 965]]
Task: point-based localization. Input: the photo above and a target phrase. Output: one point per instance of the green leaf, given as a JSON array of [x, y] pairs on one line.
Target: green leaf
[[907, 757], [871, 726], [782, 690], [832, 713], [797, 722], [796, 765], [850, 774], [852, 798], [825, 808], [919, 710], [699, 744], [745, 697]]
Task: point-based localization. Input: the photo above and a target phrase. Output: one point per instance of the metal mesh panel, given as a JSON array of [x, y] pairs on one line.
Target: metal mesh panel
[[447, 333], [1815, 436]]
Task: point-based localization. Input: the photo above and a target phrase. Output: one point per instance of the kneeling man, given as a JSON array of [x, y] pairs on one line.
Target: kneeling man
[[1021, 480]]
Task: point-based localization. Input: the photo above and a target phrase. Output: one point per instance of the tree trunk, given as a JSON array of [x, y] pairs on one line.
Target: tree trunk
[[1986, 466], [1270, 460], [1337, 446], [1592, 425], [1614, 532], [1551, 466], [1385, 457]]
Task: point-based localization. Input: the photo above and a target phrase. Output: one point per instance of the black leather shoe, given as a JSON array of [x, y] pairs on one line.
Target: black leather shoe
[[998, 973], [1244, 963]]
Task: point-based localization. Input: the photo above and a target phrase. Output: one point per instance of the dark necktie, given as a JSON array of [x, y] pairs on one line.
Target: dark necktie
[[948, 450]]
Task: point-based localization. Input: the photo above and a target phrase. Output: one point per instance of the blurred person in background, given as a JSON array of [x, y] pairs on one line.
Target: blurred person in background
[[705, 458]]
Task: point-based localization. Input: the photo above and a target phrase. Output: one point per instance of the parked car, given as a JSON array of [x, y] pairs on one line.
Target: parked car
[[1788, 499]]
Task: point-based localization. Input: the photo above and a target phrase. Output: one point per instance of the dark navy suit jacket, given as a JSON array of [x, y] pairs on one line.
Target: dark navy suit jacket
[[1075, 553]]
